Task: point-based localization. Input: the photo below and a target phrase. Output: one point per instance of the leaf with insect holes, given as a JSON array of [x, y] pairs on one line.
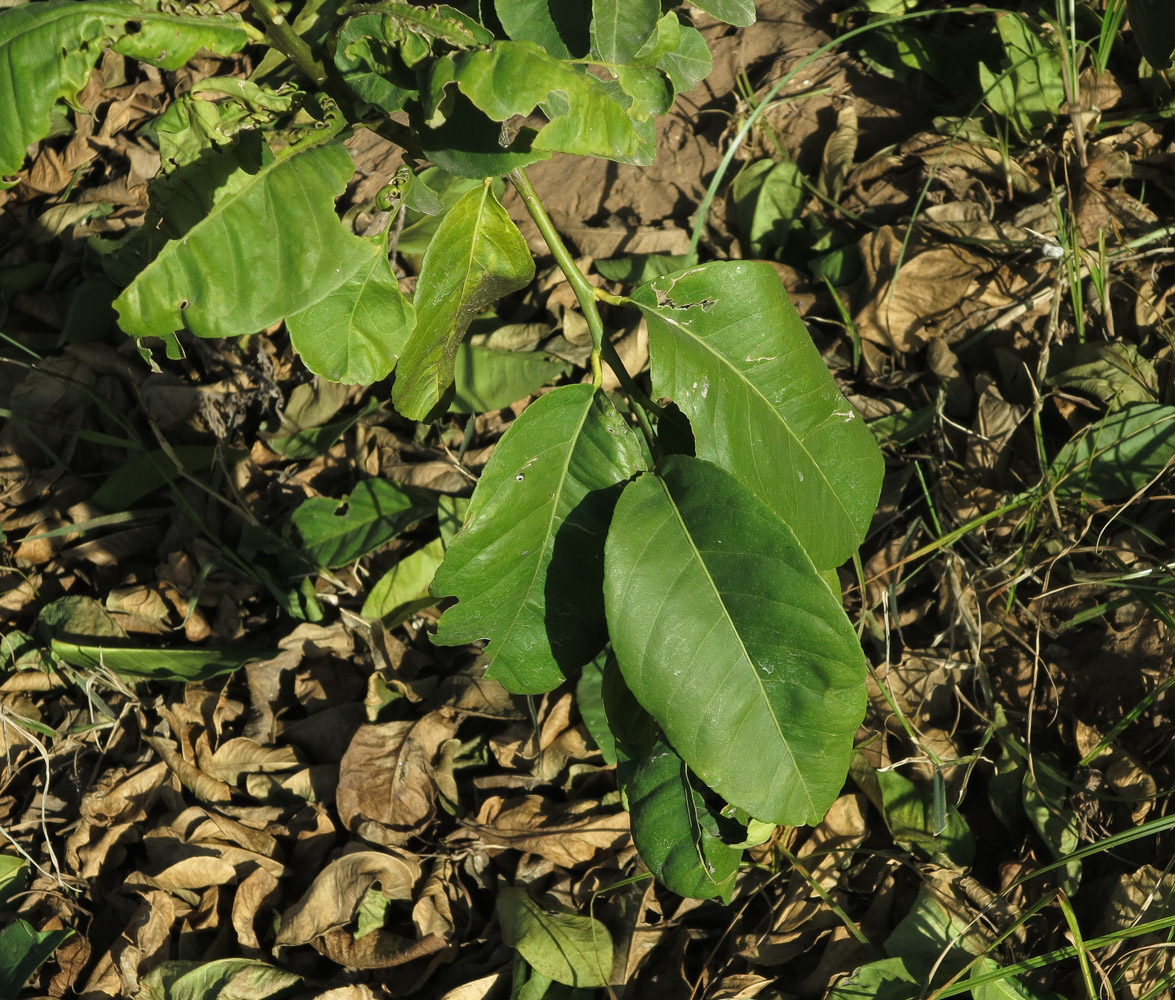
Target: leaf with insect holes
[[528, 565], [583, 114], [727, 346], [57, 44], [270, 246]]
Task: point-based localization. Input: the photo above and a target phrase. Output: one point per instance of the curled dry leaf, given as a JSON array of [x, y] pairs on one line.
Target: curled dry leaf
[[110, 816], [566, 835], [258, 892], [326, 914], [936, 292], [387, 789]]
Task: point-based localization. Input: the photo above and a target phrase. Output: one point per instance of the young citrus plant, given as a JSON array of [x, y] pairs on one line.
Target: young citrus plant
[[701, 563]]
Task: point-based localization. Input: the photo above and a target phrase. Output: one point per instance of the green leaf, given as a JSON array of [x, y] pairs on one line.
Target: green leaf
[[191, 125], [1028, 90], [47, 51], [740, 13], [14, 876], [476, 256], [371, 66], [357, 331], [404, 589], [727, 346], [269, 249], [887, 979], [514, 78], [561, 28], [639, 268], [528, 565], [1006, 988], [1113, 373], [238, 978], [909, 815], [469, 143], [1047, 807], [589, 699], [337, 532], [689, 63], [1152, 22], [726, 634], [489, 379], [143, 474], [1118, 455], [938, 935], [159, 664], [23, 949], [677, 835], [768, 197], [419, 228], [620, 28], [568, 948]]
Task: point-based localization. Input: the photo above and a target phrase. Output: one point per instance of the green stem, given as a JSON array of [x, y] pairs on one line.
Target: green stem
[[288, 41], [586, 294]]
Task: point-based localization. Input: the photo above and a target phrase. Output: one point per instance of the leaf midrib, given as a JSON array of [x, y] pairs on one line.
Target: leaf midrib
[[553, 506], [742, 646], [742, 378]]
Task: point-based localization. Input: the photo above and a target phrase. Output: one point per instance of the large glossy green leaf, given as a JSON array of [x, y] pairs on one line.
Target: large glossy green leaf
[[726, 634], [358, 330], [620, 28], [727, 346], [47, 51], [476, 256], [528, 565], [514, 78], [672, 826], [268, 248], [1119, 454]]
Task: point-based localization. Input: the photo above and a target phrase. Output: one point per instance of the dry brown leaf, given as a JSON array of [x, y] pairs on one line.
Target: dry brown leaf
[[332, 900], [257, 892], [386, 788], [746, 986], [567, 835], [190, 873], [937, 292], [479, 989], [110, 815], [245, 756], [432, 914], [204, 787], [145, 941]]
